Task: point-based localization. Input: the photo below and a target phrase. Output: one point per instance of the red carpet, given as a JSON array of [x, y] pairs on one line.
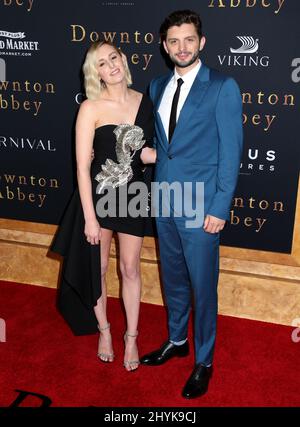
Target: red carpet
[[256, 364]]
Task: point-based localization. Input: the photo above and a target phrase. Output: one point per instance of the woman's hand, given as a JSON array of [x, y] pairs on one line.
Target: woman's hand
[[148, 155], [92, 230]]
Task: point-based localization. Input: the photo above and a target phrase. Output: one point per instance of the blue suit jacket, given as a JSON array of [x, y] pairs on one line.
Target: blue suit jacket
[[207, 142]]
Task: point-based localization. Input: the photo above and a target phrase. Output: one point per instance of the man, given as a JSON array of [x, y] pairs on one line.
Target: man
[[198, 139]]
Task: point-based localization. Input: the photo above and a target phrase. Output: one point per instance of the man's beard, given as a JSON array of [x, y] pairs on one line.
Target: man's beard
[[185, 64]]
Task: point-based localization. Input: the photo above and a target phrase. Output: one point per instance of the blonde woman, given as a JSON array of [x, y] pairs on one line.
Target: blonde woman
[[115, 122]]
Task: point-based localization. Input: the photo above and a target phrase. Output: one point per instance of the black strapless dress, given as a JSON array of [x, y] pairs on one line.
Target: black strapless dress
[[109, 144], [80, 284]]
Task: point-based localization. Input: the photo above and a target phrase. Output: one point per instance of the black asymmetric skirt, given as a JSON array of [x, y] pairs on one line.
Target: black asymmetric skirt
[[80, 284]]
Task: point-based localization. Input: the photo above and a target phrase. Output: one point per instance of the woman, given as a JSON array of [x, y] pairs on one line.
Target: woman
[[116, 124]]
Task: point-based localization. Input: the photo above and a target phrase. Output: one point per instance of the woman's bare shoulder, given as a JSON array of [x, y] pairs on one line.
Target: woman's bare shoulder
[[91, 108], [89, 104]]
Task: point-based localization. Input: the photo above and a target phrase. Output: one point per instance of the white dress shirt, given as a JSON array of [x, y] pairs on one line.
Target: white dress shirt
[[167, 99]]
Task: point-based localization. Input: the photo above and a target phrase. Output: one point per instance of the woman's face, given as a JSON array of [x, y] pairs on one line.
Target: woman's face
[[110, 65]]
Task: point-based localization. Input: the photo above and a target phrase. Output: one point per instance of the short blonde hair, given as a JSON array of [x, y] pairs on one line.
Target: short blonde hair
[[93, 85]]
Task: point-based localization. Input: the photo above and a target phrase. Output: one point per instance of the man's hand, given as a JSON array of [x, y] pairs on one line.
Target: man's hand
[[213, 224]]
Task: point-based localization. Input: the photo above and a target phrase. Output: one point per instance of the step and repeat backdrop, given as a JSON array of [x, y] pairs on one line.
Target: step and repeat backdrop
[[42, 47]]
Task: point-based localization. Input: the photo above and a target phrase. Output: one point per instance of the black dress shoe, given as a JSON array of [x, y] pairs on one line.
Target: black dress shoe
[[166, 351], [197, 384]]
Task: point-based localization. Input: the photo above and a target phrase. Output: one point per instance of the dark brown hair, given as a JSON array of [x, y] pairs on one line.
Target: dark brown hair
[[178, 18]]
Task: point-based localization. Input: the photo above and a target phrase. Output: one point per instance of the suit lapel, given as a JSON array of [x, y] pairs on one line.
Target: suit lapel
[[161, 88], [160, 91]]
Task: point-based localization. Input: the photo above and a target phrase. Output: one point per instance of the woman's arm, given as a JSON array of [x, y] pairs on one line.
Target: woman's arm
[[85, 129], [148, 155]]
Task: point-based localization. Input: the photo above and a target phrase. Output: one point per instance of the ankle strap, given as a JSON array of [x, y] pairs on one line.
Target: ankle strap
[[104, 327], [131, 335]]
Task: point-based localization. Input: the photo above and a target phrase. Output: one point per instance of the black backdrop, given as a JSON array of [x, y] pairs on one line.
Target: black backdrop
[[42, 46]]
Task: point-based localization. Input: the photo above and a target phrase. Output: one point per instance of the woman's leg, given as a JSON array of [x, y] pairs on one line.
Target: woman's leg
[[130, 250], [105, 349]]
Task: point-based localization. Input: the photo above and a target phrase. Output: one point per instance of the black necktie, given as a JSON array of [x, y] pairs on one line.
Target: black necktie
[[172, 123]]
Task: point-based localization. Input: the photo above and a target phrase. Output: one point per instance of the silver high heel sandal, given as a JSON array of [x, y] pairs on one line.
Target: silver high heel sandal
[[130, 365], [105, 357]]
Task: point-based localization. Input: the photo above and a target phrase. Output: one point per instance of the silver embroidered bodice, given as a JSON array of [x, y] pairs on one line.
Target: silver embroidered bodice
[[129, 139]]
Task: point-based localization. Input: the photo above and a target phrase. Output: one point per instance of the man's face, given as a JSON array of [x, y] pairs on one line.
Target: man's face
[[183, 45]]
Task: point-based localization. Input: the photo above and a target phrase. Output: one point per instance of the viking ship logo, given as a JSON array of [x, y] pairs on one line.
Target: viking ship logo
[[249, 45]]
